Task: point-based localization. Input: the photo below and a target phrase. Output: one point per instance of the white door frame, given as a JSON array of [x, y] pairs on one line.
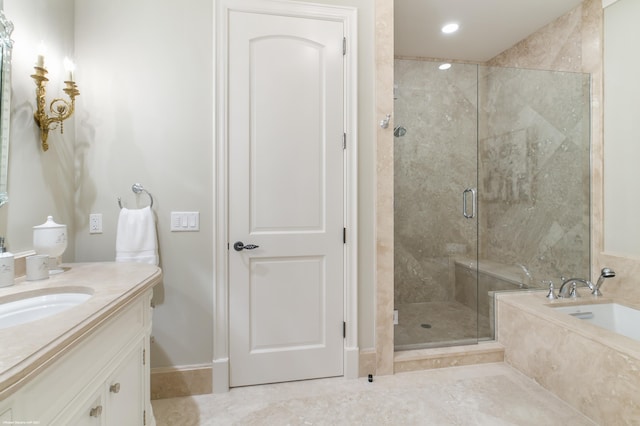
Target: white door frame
[[348, 16]]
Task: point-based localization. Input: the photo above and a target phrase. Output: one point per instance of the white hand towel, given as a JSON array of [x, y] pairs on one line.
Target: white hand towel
[[136, 240]]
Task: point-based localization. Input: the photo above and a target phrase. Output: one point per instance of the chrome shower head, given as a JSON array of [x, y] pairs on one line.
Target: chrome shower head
[[607, 273], [399, 131], [604, 274]]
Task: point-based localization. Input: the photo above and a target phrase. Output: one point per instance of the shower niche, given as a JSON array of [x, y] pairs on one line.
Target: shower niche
[[519, 139]]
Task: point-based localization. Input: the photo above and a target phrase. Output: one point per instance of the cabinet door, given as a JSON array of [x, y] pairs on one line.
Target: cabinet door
[[92, 413], [125, 389]]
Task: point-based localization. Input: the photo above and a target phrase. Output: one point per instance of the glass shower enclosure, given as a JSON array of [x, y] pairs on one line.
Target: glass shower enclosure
[[491, 193]]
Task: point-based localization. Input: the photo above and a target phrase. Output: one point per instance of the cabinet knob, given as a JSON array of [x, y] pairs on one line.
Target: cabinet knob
[[115, 388], [96, 411]]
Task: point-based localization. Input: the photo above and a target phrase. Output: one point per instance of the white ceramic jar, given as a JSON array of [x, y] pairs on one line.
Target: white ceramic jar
[[50, 238]]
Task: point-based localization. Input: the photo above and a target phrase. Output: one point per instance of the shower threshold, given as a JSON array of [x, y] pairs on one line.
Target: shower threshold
[[424, 359], [444, 344]]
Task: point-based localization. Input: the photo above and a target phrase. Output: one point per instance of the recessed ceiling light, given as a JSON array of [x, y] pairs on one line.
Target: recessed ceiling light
[[450, 28], [444, 66]]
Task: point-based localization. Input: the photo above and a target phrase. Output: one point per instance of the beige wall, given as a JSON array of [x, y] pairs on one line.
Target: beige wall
[[145, 114], [622, 35]]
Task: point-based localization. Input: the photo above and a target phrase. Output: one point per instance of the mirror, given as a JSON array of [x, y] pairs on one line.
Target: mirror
[[6, 28]]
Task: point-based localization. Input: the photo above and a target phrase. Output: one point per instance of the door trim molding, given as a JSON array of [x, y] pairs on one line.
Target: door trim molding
[[348, 16]]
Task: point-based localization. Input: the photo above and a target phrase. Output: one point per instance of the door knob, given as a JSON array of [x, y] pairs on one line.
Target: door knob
[[239, 246]]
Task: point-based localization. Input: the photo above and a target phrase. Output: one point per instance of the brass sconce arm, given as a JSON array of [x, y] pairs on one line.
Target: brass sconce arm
[[60, 109]]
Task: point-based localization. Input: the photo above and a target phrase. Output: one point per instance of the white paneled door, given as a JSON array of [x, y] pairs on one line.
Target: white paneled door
[[286, 203]]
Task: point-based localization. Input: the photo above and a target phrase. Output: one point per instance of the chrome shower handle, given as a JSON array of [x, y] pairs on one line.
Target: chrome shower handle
[[465, 213]]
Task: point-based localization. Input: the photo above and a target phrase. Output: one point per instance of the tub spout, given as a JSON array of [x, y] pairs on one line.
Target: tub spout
[[571, 291]]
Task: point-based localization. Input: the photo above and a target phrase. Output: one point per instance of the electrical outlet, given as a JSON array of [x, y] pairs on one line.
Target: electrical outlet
[[95, 223], [395, 317]]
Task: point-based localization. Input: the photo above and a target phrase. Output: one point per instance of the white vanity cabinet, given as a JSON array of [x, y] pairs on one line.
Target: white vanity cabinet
[[101, 380], [117, 401]]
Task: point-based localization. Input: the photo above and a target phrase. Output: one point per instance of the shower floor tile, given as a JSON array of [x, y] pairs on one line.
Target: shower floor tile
[[488, 394], [432, 324]]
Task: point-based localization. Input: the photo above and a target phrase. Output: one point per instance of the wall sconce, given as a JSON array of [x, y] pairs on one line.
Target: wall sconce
[[59, 108]]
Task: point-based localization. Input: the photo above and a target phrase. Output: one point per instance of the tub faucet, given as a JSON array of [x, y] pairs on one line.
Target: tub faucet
[[565, 291], [595, 288]]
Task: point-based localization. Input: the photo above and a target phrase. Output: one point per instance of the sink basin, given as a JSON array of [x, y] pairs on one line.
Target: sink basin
[[32, 307]]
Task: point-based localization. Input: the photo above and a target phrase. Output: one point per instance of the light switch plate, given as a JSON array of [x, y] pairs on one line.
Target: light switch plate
[[185, 221]]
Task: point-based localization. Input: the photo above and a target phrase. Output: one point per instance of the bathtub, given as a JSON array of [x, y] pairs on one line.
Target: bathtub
[[612, 316], [590, 359]]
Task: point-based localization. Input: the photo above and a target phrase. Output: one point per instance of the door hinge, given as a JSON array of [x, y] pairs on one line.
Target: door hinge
[[344, 329], [344, 46], [344, 141], [144, 357], [344, 235]]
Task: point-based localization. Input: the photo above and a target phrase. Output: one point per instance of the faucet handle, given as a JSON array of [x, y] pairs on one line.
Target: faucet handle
[[551, 295], [574, 291]]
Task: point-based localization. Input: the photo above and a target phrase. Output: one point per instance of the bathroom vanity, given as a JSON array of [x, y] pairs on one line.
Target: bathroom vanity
[[86, 365]]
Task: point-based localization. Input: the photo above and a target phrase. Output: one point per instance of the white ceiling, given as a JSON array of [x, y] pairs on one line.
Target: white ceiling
[[487, 27]]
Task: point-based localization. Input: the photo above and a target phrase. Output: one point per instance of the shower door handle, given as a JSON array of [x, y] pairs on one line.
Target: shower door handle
[[465, 212]]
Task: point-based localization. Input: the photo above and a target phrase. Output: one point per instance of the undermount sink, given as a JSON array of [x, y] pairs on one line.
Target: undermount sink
[[34, 307]]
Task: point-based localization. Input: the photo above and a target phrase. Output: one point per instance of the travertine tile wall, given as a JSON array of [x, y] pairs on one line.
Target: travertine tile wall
[[571, 43], [532, 148], [433, 164], [534, 171], [384, 189], [592, 369], [574, 43]]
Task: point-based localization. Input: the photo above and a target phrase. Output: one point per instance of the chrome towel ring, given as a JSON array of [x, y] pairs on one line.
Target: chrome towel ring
[[138, 188]]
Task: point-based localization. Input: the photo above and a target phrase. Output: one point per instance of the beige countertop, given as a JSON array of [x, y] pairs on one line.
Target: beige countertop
[[26, 349]]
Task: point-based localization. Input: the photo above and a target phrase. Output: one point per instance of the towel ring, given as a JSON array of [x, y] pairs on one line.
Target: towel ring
[[138, 188]]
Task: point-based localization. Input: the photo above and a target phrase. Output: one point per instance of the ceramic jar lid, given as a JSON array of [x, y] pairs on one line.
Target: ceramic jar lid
[[49, 224]]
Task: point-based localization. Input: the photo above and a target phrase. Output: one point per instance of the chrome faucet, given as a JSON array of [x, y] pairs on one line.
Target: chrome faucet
[[595, 288]]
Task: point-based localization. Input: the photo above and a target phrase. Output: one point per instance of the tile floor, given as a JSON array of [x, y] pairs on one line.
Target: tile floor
[[447, 322], [488, 394]]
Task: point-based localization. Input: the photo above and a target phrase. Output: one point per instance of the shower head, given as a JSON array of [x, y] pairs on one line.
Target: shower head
[[399, 131], [607, 273], [604, 274]]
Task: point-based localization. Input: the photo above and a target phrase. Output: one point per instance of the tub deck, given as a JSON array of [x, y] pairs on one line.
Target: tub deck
[[591, 368]]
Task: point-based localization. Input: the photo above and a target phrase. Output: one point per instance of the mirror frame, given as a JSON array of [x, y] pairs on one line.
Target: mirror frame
[[6, 44]]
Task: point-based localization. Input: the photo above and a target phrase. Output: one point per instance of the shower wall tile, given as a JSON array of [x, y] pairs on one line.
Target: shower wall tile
[[557, 46], [574, 43], [433, 163], [533, 149], [534, 162], [384, 190]]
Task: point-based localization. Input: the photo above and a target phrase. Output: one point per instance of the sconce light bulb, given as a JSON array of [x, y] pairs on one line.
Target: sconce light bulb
[[42, 49], [69, 67]]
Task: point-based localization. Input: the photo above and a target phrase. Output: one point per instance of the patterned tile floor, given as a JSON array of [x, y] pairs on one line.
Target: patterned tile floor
[[488, 394]]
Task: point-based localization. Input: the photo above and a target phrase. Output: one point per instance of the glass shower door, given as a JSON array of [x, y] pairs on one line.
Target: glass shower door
[[436, 216]]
